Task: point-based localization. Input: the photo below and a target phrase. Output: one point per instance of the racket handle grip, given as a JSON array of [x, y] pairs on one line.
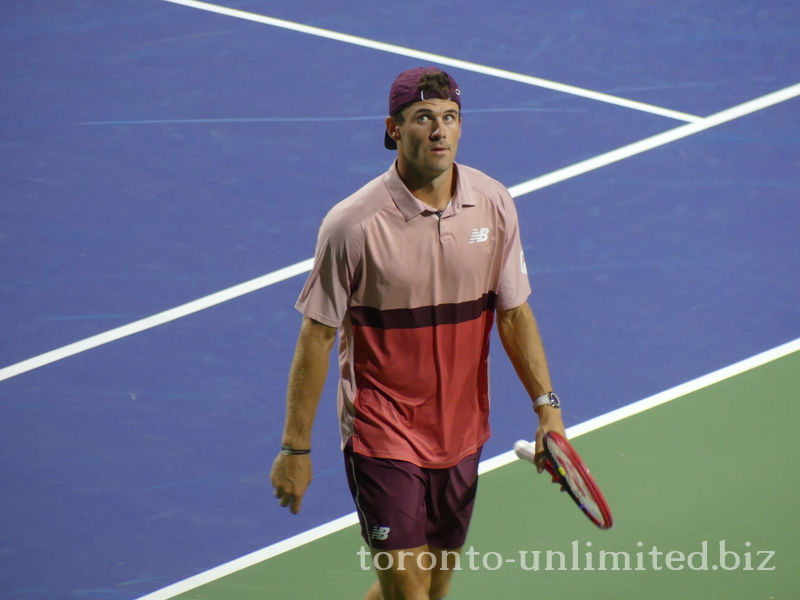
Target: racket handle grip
[[524, 450]]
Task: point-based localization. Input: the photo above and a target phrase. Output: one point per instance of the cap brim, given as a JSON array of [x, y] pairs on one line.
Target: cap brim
[[388, 142]]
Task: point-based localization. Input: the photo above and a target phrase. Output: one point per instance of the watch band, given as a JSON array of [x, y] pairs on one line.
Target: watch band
[[548, 398]]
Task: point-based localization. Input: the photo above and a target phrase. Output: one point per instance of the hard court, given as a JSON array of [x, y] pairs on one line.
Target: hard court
[[165, 165]]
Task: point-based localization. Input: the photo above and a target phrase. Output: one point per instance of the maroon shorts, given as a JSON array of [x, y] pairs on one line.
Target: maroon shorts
[[401, 505]]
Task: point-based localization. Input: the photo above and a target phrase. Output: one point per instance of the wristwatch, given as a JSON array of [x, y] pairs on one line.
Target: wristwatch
[[548, 398]]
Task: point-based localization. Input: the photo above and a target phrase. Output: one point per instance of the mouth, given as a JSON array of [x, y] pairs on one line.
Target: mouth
[[440, 150]]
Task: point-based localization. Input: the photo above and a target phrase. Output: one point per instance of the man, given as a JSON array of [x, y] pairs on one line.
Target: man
[[411, 270]]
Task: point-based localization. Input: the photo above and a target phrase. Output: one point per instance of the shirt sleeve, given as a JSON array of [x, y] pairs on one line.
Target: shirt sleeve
[[514, 287], [325, 296]]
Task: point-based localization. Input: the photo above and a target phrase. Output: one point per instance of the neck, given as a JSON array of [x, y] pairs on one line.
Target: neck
[[436, 191]]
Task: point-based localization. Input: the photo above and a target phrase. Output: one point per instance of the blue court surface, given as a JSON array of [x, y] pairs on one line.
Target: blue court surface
[[153, 153]]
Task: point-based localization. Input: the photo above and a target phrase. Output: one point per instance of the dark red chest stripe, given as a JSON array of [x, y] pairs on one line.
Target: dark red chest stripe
[[424, 316]]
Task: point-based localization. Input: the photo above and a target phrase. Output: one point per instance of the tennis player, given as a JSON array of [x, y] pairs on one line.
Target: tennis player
[[411, 271]]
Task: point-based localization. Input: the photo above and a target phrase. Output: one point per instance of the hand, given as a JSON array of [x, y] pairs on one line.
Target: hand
[[290, 477], [549, 420]]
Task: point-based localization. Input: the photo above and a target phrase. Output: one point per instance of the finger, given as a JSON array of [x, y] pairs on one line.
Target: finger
[[282, 495], [282, 492], [538, 460], [296, 502]]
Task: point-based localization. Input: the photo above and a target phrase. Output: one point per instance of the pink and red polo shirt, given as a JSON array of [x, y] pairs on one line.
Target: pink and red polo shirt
[[413, 293]]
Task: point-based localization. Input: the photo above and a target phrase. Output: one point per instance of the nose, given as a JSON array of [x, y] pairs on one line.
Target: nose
[[438, 131]]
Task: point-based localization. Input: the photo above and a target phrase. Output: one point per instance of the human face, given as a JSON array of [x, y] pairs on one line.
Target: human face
[[427, 140]]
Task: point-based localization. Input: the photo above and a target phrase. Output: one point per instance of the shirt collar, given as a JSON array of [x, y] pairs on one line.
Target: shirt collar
[[410, 206]]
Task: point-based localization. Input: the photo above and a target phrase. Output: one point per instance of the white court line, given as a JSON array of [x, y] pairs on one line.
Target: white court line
[[305, 266], [351, 519], [442, 60], [657, 140], [157, 319]]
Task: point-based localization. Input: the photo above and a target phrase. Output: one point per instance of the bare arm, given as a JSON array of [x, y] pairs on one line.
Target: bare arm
[[291, 475], [520, 336]]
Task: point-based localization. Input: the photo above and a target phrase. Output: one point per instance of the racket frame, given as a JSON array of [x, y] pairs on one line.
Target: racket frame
[[558, 471]]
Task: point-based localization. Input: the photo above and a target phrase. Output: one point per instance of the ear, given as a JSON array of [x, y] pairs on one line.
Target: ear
[[392, 128]]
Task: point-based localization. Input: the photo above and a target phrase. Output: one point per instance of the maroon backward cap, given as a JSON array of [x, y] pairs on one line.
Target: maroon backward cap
[[405, 91]]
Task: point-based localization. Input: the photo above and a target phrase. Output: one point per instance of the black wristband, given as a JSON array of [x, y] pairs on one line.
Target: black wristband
[[286, 451]]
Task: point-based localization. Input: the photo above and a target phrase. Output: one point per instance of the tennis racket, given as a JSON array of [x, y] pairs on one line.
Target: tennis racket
[[568, 470]]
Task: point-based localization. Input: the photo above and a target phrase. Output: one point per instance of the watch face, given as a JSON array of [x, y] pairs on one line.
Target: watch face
[[554, 401]]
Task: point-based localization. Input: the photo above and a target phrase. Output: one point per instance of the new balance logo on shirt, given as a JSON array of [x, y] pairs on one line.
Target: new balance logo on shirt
[[479, 235], [379, 533]]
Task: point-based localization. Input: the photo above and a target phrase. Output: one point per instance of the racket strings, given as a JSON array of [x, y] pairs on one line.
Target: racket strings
[[575, 482]]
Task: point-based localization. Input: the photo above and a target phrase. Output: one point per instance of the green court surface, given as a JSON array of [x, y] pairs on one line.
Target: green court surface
[[717, 466]]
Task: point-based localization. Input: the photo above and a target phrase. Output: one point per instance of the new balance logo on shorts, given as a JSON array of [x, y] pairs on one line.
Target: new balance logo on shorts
[[479, 235], [379, 533]]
